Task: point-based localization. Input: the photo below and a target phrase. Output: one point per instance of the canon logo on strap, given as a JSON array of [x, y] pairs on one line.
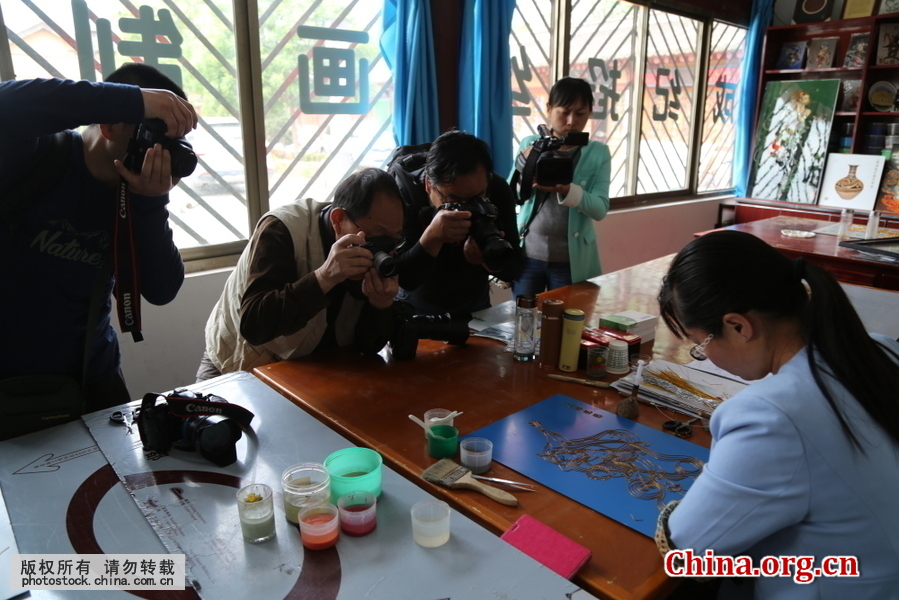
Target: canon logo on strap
[[202, 409]]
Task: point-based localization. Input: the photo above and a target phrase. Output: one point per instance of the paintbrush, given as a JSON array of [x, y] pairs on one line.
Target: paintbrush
[[449, 474], [599, 384]]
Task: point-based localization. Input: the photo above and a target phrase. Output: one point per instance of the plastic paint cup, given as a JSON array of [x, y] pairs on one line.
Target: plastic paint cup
[[437, 416], [354, 469], [257, 513], [431, 523], [443, 441], [319, 525], [358, 513], [302, 484], [476, 454]]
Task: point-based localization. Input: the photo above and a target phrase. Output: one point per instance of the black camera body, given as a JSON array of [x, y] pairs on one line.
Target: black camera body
[[410, 327], [498, 253], [152, 132], [380, 248], [545, 165], [192, 421]]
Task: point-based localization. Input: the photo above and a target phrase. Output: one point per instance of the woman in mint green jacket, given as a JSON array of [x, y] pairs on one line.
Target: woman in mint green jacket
[[556, 223]]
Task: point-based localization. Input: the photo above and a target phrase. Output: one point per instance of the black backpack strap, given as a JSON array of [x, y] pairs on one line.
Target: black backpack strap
[[38, 180]]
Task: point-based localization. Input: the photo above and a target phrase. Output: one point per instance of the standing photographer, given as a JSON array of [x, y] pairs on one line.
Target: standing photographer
[[556, 223], [459, 225], [58, 205]]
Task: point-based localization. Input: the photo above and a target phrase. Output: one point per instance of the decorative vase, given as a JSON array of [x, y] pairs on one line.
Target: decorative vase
[[849, 186]]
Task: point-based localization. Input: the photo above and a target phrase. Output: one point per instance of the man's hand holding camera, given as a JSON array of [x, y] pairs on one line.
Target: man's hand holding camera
[[447, 227], [349, 260], [155, 177]]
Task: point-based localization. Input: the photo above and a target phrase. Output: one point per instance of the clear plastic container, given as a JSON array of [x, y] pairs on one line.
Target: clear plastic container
[[302, 484]]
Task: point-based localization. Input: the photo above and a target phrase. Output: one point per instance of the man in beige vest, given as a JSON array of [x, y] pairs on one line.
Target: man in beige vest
[[304, 284]]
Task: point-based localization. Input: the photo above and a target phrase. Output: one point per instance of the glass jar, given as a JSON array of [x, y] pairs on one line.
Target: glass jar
[[302, 484]]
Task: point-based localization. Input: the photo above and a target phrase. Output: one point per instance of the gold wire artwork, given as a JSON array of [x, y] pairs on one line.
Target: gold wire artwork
[[616, 453]]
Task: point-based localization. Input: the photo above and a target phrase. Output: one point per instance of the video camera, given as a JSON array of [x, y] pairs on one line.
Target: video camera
[[152, 132], [498, 253], [544, 164], [410, 327], [380, 248], [191, 421]]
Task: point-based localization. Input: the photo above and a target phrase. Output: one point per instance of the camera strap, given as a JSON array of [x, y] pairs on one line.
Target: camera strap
[[192, 407], [127, 288]]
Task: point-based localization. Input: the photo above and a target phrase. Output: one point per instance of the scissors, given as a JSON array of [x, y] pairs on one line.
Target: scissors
[[680, 428], [125, 417]]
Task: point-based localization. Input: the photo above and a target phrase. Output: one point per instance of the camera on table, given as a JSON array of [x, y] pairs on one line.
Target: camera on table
[[498, 253], [152, 132], [380, 248], [410, 327], [545, 164], [192, 421]]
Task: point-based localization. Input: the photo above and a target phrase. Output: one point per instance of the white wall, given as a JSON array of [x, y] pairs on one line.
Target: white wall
[[173, 334]]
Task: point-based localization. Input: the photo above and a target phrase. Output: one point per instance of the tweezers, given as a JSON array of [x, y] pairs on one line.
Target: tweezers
[[525, 487]]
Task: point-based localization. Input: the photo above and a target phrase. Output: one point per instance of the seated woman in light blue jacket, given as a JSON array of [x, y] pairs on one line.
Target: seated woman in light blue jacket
[[556, 223], [805, 462]]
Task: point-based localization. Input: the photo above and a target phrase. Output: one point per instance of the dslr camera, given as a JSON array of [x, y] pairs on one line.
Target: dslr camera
[[192, 421], [380, 248], [152, 132], [498, 253], [545, 164], [410, 327]]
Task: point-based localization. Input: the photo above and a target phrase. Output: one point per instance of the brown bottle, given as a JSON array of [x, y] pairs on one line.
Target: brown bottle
[[551, 331]]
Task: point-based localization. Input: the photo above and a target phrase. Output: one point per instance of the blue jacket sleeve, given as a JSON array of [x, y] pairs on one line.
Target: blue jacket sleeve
[[32, 110], [160, 268], [755, 483]]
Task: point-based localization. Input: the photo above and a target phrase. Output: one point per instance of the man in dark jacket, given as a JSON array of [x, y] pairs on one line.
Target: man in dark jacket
[[442, 264]]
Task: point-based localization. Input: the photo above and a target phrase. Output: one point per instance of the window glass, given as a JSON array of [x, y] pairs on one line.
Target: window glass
[[531, 67], [603, 51], [193, 44], [666, 124], [327, 93], [716, 169]]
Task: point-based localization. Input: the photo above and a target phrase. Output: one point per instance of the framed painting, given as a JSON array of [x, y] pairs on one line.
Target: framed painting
[[888, 44], [821, 52], [857, 53], [854, 9], [888, 7], [792, 55], [795, 120], [812, 11], [851, 181]]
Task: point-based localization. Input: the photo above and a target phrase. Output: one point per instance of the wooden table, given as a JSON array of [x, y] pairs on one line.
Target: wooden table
[[367, 399], [847, 265]]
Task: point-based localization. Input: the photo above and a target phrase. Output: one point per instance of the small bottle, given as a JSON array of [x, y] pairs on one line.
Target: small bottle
[[572, 326], [846, 218], [617, 360], [873, 224], [525, 327], [551, 331]]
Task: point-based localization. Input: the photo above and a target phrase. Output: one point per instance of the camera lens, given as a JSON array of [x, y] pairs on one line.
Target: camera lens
[[384, 264], [184, 161]]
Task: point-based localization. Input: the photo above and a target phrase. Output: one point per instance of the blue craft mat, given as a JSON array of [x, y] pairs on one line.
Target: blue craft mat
[[517, 444]]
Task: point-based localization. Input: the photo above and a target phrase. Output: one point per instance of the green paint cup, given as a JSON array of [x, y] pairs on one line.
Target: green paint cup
[[443, 441], [353, 469]]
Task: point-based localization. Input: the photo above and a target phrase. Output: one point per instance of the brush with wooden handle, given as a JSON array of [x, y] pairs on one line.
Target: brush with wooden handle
[[449, 474]]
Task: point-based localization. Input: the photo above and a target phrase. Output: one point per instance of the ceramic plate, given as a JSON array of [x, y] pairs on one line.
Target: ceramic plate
[[797, 233], [882, 96]]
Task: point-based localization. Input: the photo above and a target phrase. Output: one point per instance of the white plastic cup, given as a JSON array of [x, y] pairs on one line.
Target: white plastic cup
[[358, 513], [437, 416], [476, 454], [257, 513], [319, 525], [431, 523], [617, 362]]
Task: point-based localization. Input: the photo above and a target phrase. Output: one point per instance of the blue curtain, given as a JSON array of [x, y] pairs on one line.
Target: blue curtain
[[407, 43], [762, 11], [485, 80]]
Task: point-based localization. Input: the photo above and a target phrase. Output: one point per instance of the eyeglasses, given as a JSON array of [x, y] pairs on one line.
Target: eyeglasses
[[698, 351], [380, 241]]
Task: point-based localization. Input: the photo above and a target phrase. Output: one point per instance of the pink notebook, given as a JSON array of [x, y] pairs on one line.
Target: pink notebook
[[547, 546]]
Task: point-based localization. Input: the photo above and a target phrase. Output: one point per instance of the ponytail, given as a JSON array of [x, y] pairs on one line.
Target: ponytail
[[834, 333]]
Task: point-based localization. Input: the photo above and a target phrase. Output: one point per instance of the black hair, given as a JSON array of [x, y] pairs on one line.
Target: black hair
[[571, 91], [735, 272], [456, 153], [145, 76], [356, 193]]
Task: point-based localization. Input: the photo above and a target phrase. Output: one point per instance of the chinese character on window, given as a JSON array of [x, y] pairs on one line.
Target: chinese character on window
[[605, 80], [523, 74], [724, 100], [668, 106], [334, 73]]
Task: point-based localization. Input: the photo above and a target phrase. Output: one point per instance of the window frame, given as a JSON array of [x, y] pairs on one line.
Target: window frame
[[560, 67]]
